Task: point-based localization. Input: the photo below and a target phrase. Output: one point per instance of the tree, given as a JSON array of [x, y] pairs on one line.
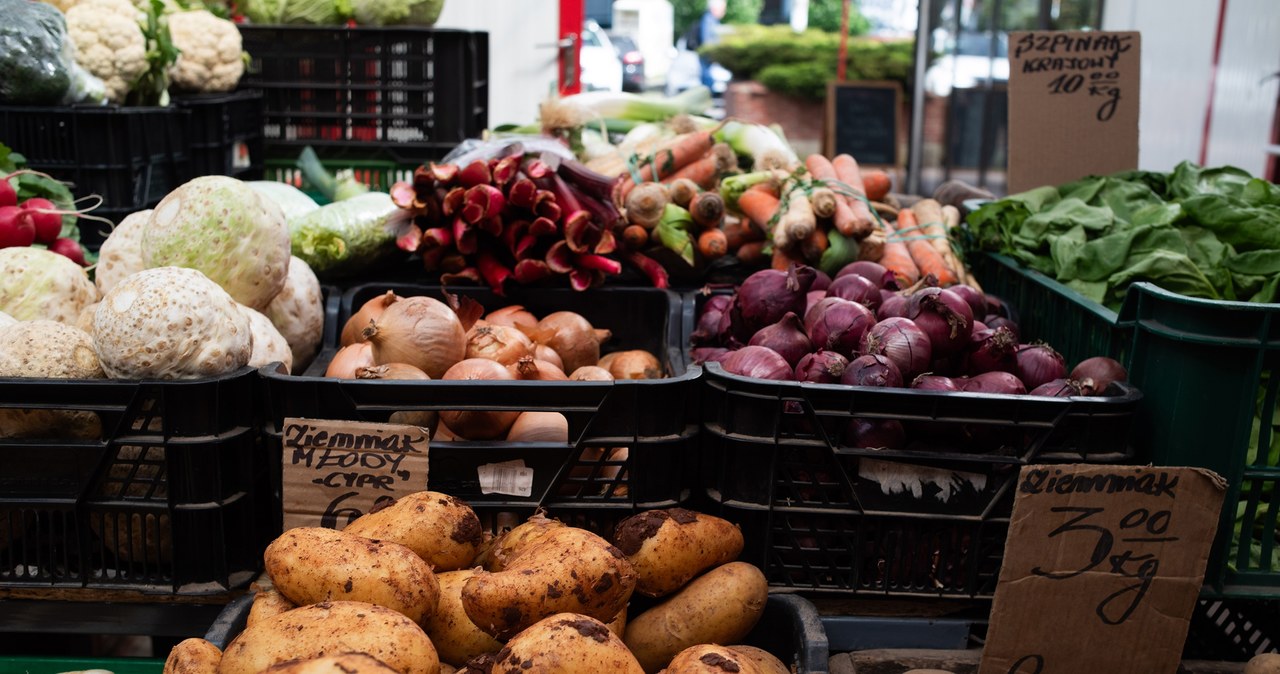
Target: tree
[[687, 12], [825, 15]]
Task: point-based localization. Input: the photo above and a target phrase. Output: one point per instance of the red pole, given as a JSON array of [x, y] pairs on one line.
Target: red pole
[[844, 41], [572, 14]]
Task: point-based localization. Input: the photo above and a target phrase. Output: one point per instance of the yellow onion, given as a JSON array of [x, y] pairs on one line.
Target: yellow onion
[[532, 369], [512, 317], [572, 337], [539, 427], [501, 343], [634, 364], [591, 373], [353, 331], [419, 331], [544, 352], [423, 418], [478, 425], [350, 358]]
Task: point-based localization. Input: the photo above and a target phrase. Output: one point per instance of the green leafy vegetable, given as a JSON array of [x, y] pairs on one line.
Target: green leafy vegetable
[[347, 236], [152, 86]]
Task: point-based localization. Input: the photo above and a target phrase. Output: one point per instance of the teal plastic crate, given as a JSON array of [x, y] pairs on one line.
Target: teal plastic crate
[[1210, 372], [55, 665]]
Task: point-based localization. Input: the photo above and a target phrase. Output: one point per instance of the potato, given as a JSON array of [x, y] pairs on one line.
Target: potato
[[447, 669], [440, 529], [193, 656], [762, 659], [712, 659], [720, 607], [509, 544], [267, 603], [346, 663], [568, 570], [332, 628], [456, 638], [619, 624], [312, 564], [1267, 663], [670, 547], [565, 643]]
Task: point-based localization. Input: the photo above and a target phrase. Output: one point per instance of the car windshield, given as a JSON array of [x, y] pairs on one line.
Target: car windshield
[[590, 39], [622, 43], [979, 44]]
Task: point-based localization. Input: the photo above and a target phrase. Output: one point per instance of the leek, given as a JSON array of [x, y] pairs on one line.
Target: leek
[[334, 188], [766, 149], [635, 107], [732, 187], [673, 231]]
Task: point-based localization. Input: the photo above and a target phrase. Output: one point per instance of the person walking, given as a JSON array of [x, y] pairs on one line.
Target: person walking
[[708, 32]]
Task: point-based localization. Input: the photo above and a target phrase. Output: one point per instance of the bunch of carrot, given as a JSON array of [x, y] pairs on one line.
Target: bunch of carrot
[[919, 244]]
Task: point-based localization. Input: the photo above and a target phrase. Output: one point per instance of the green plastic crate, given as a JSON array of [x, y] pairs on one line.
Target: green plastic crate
[[1073, 324], [55, 665], [1206, 368], [378, 175]]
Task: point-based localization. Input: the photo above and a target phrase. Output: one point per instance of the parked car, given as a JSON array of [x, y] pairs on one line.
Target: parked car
[[968, 62], [686, 72], [601, 68], [632, 62]]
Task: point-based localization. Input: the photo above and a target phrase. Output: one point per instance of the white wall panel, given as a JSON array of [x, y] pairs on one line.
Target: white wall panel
[[1245, 101]]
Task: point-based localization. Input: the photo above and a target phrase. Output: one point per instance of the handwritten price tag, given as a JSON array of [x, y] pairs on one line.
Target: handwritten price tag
[[336, 471], [1073, 105], [1102, 568]]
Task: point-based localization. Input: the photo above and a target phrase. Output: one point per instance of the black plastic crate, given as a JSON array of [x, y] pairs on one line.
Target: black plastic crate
[[654, 420], [411, 93], [174, 498], [790, 629], [131, 157], [851, 553], [225, 136], [1233, 629]]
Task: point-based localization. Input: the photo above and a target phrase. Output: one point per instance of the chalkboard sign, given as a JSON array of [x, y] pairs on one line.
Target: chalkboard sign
[[862, 120]]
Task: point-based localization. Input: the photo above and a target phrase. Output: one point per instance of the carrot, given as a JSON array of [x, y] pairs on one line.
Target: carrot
[[685, 150], [704, 171], [824, 202], [897, 259], [759, 206], [925, 256], [707, 209], [814, 246], [740, 232], [713, 244], [797, 223], [751, 253], [933, 226], [846, 168], [636, 236], [783, 259], [877, 184]]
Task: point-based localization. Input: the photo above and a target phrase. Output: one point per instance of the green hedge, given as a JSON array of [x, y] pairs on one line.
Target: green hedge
[[802, 64]]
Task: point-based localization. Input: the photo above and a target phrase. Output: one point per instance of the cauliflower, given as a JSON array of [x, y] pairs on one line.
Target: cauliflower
[[212, 56], [109, 43]]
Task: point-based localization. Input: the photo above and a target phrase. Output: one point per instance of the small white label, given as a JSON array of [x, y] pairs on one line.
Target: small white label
[[509, 477], [240, 158]]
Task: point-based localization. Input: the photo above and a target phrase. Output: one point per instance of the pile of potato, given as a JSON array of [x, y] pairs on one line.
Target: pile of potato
[[418, 588]]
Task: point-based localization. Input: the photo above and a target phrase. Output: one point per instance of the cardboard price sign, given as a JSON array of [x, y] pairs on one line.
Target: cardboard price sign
[[335, 471], [1101, 569], [1073, 105]]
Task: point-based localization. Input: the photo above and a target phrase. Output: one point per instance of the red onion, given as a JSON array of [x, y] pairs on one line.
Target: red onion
[[821, 367], [709, 354], [901, 341], [1098, 372], [767, 295], [708, 330], [992, 321], [944, 317], [812, 298], [820, 282], [979, 326], [838, 325], [891, 307], [933, 382], [994, 382], [875, 433], [998, 307], [871, 371], [948, 366], [1059, 388], [1039, 364], [758, 362], [786, 337], [992, 350], [856, 288], [872, 271], [976, 300]]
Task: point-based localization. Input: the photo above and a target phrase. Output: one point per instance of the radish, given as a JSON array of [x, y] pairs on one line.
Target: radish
[[46, 217], [16, 228], [70, 249], [8, 196]]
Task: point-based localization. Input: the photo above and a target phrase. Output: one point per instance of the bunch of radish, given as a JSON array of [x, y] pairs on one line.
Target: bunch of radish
[[34, 221]]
